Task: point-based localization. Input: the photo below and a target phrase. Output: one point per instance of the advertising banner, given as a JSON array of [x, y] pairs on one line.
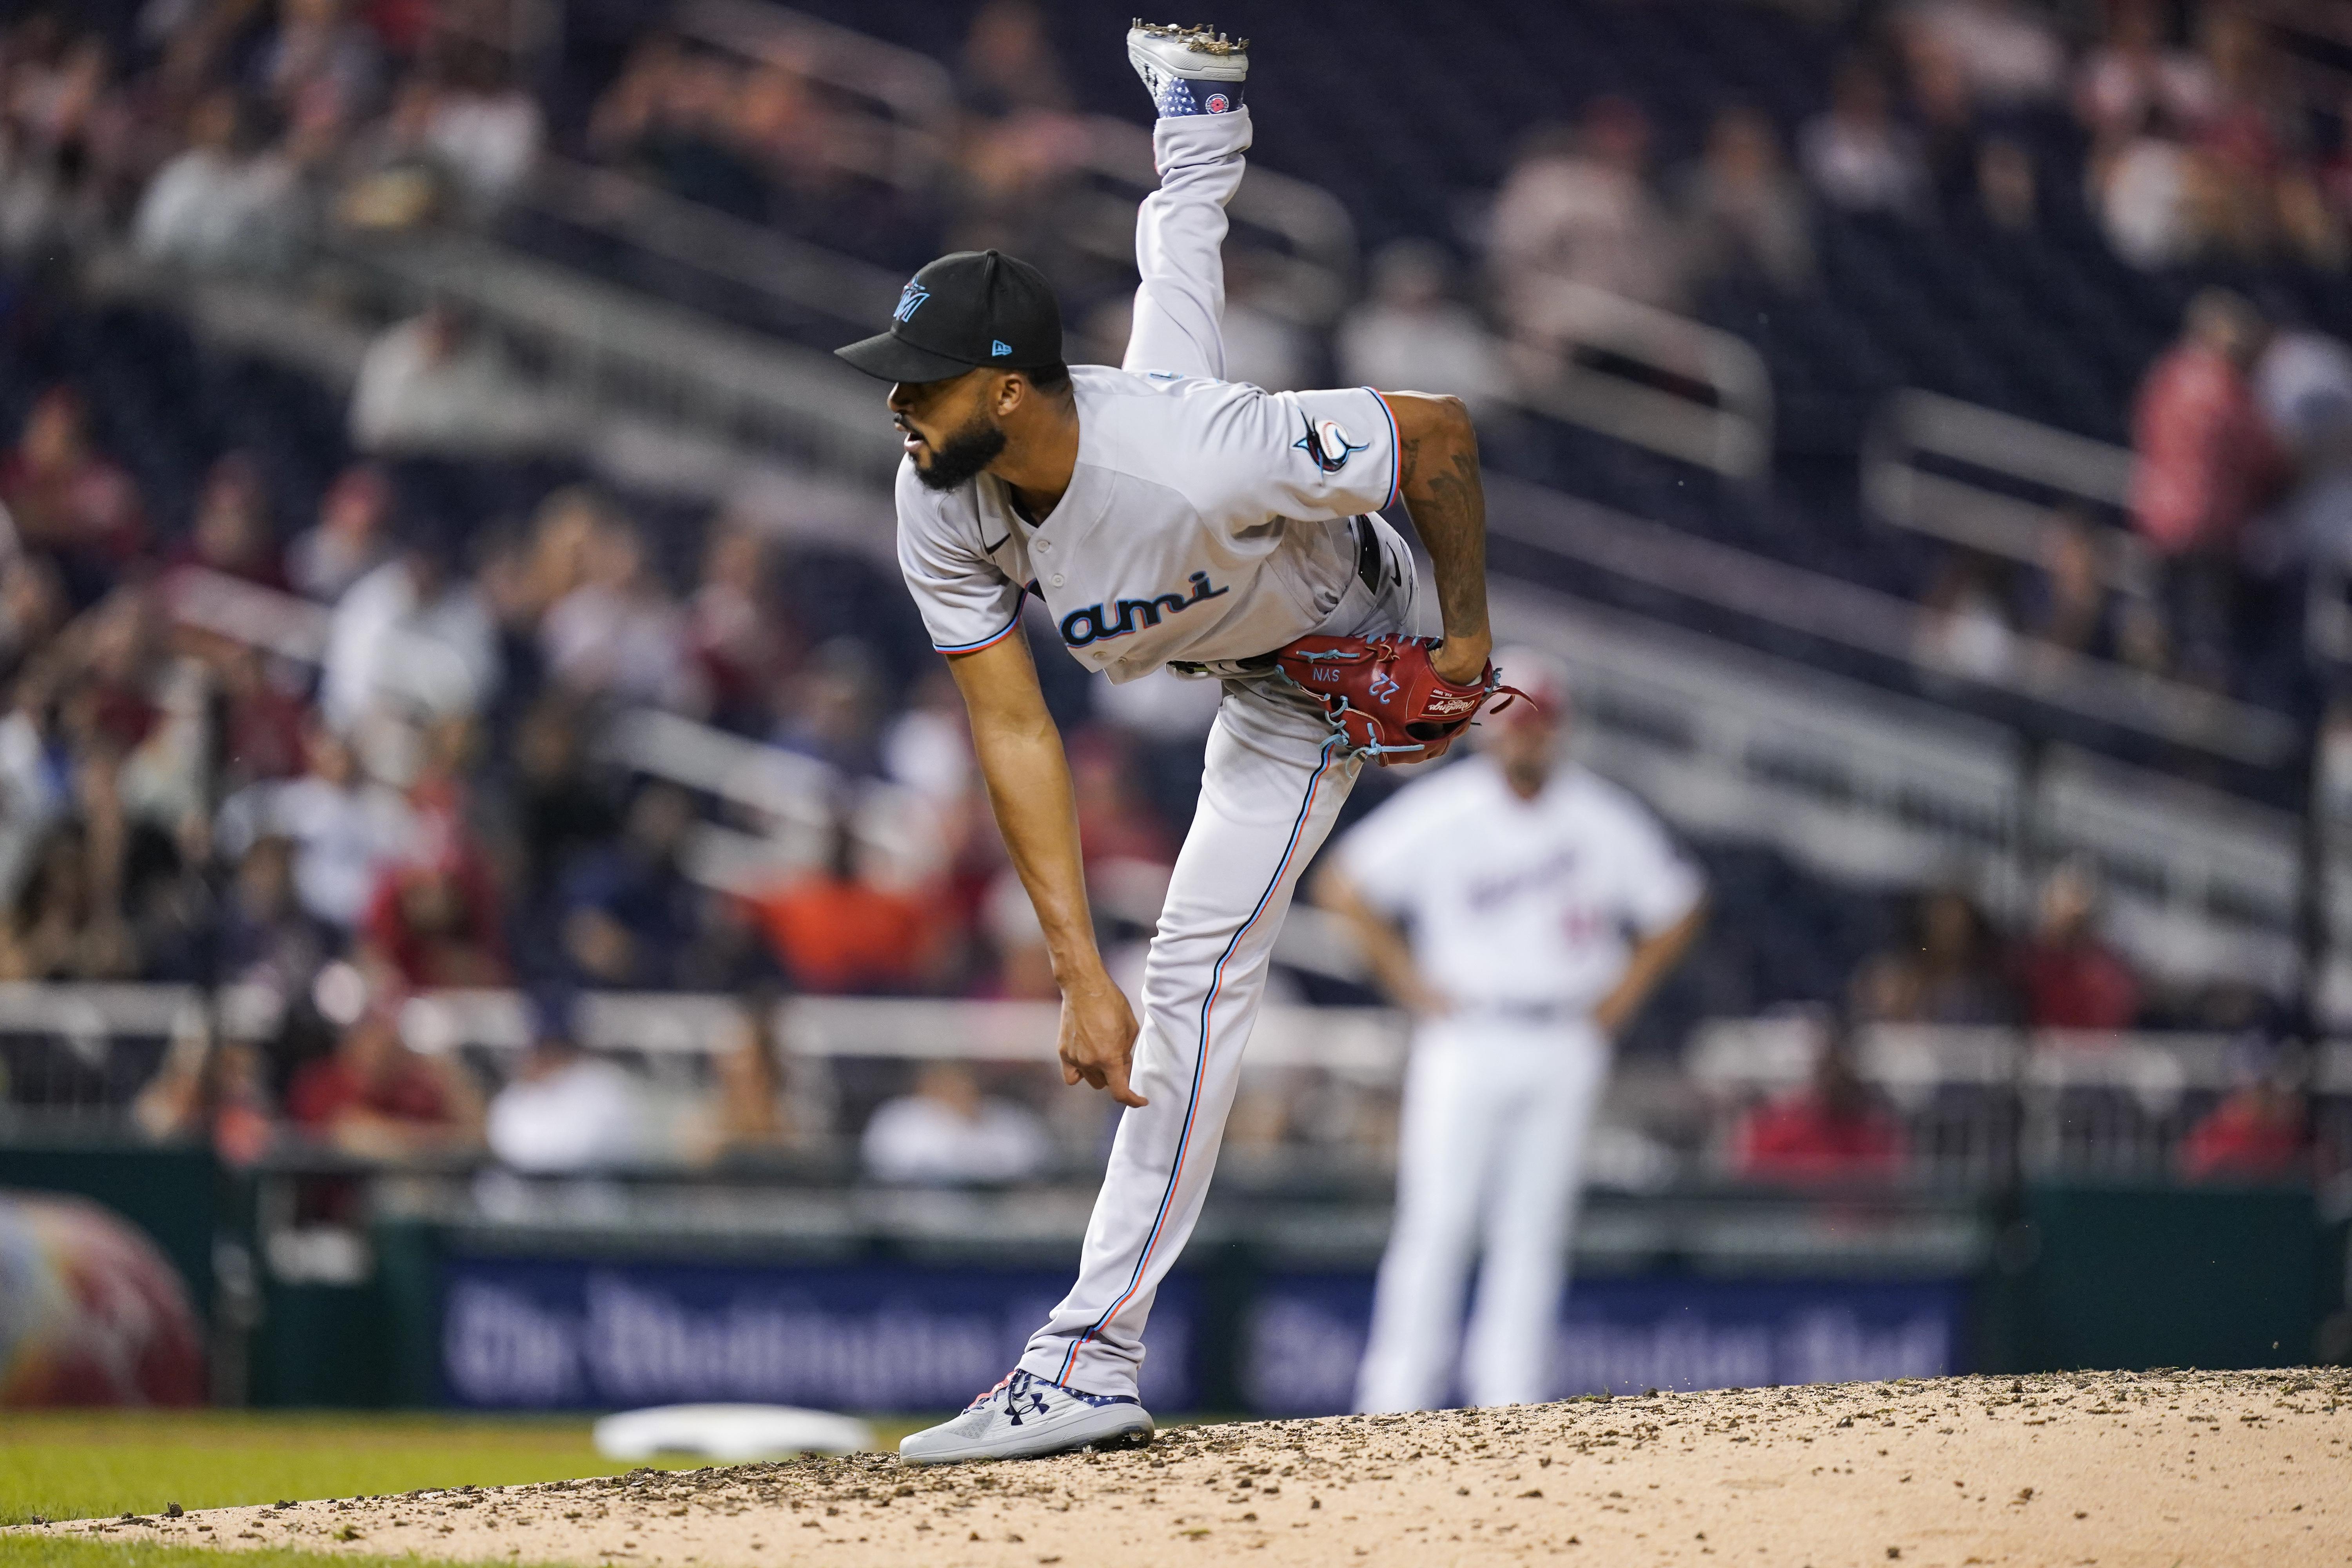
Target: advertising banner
[[553, 1333], [1306, 1333]]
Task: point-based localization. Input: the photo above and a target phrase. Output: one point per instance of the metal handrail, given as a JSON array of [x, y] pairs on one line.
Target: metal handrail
[[1915, 424], [916, 89], [1731, 434], [675, 228], [1852, 615], [617, 347], [1886, 790]]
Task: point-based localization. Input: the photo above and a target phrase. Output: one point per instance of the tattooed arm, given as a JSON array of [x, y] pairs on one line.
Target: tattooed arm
[[1441, 491]]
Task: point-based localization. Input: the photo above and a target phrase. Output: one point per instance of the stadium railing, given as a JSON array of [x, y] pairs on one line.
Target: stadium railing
[[904, 103], [1653, 378], [2022, 457], [1867, 620], [1989, 1105], [1873, 788], [1981, 1104]]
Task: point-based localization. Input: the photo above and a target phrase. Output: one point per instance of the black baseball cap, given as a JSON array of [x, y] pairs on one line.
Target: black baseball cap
[[970, 309]]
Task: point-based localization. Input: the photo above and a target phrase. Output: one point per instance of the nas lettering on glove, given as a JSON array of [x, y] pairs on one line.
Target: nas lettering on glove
[[1091, 624]]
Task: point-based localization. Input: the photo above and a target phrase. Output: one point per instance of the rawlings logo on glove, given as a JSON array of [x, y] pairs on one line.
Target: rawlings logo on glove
[[1386, 698]]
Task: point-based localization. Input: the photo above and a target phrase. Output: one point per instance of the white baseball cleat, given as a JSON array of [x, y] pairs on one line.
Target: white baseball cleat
[[1025, 1417], [1189, 70]]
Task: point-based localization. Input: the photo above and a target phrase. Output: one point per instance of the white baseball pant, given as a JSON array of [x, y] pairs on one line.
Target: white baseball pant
[[1272, 787], [1490, 1147]]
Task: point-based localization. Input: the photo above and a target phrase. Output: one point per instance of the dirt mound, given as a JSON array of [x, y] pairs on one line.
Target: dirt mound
[[2111, 1468]]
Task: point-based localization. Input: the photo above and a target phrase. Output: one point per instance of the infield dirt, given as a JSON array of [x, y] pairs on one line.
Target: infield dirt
[[2114, 1469]]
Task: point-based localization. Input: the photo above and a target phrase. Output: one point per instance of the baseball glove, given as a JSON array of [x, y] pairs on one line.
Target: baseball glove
[[1385, 696]]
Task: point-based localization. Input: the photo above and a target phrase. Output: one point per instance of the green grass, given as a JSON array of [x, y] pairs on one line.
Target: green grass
[[83, 1464], [48, 1552]]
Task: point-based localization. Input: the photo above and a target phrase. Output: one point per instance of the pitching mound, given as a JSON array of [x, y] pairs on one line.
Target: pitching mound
[[2110, 1469]]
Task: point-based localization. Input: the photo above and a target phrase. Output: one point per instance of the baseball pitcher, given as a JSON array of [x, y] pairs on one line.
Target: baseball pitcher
[[1522, 911], [1166, 517]]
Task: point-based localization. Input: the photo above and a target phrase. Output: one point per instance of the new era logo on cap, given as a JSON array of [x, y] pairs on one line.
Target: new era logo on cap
[[963, 311]]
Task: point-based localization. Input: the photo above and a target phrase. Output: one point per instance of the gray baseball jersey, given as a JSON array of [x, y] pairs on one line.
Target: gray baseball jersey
[[1206, 520]]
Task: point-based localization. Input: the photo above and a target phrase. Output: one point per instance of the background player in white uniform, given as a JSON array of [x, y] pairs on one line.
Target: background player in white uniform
[[1161, 514], [1522, 909]]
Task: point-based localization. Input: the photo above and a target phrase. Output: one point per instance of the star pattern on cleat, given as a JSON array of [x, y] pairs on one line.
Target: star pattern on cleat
[[1024, 1395], [1174, 94]]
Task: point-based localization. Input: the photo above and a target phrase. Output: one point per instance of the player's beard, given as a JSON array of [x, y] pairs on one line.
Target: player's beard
[[964, 454]]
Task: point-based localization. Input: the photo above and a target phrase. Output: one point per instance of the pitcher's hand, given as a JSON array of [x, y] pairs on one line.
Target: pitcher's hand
[[1097, 1042]]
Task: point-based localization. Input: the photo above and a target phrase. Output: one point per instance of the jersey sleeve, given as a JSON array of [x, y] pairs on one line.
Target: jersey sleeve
[[1657, 885], [1308, 455], [966, 602]]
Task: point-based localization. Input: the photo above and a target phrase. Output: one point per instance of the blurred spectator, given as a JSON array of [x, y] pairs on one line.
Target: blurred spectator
[[67, 500], [2257, 1134], [560, 805], [669, 117], [67, 922], [2149, 193], [2069, 604], [734, 631], [33, 790], [619, 635], [2135, 75], [231, 533], [2204, 461], [1009, 63], [412, 637], [1024, 964], [1577, 208], [947, 1133], [836, 715], [1745, 210], [267, 938], [2008, 193], [221, 204], [2303, 384], [377, 1098], [927, 747], [213, 1093], [763, 1099], [1831, 1130], [631, 916], [837, 932], [351, 539], [318, 56], [438, 384], [565, 1112], [2070, 978], [32, 610], [2244, 139], [486, 129], [1114, 821], [343, 829], [2005, 54], [433, 920], [395, 178], [1947, 973], [1018, 141], [1408, 332], [1945, 111], [1857, 156], [1969, 625], [1264, 346]]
